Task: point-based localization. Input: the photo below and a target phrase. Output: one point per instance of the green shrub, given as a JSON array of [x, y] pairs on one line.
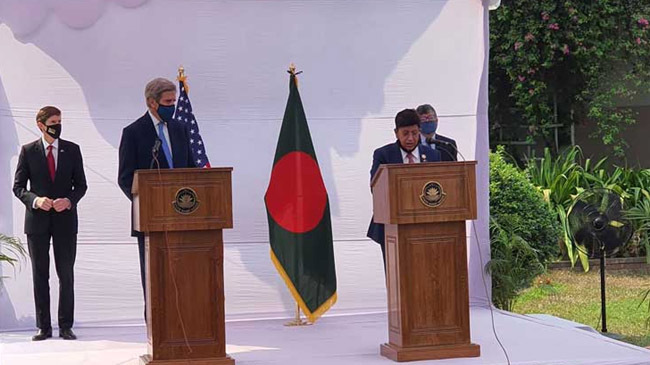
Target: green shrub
[[519, 207], [513, 267]]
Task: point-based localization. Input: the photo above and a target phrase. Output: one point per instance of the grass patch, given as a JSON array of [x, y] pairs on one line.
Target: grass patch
[[576, 296]]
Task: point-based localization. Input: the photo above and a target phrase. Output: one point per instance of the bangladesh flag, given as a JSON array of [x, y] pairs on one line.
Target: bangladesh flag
[[298, 210]]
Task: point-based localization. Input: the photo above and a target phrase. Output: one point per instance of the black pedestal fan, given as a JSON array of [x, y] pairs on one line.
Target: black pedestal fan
[[599, 229]]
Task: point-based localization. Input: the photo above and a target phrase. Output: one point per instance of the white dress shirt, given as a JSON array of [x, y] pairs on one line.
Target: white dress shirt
[[416, 155], [165, 132]]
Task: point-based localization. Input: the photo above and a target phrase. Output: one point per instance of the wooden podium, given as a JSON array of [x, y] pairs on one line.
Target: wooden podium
[[182, 212], [424, 208]]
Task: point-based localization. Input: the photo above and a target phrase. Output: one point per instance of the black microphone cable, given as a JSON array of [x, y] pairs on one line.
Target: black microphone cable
[[481, 262]]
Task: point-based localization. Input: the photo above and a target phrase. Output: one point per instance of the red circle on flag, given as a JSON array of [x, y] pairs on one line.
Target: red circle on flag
[[296, 197]]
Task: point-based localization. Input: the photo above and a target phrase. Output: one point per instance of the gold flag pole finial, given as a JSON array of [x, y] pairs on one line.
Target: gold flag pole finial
[[292, 71], [182, 78]]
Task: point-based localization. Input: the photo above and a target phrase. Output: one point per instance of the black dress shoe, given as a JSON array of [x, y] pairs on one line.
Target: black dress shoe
[[42, 335], [67, 334]]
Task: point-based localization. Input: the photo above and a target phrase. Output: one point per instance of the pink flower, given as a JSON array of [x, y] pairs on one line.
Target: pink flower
[[643, 22], [531, 71], [529, 37], [531, 91], [554, 26], [545, 16], [565, 49], [521, 78], [518, 45], [638, 40]]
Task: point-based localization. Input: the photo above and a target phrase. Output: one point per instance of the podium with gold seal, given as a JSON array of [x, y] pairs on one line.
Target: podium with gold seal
[[424, 208], [182, 213]]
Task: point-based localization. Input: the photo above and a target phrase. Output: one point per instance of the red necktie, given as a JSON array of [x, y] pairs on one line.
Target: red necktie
[[50, 162], [410, 157]]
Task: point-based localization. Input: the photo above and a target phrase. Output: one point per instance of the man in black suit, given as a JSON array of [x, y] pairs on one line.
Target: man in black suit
[[428, 128], [407, 149], [55, 171], [138, 139]]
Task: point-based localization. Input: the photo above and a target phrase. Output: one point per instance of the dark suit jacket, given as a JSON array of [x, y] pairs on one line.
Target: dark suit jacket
[[391, 153], [69, 182], [137, 141], [447, 153]]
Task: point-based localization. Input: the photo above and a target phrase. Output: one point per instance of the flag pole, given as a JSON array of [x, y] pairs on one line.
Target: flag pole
[[297, 321]]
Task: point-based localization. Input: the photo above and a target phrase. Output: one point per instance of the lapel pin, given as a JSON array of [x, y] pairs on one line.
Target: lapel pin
[[423, 158]]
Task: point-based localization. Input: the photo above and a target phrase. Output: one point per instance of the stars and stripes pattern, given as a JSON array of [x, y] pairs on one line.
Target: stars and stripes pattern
[[184, 115]]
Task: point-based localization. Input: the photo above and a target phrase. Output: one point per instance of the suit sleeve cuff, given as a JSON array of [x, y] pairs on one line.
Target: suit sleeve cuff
[[34, 203]]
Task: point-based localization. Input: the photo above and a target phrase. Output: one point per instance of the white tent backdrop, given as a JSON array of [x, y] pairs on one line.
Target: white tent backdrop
[[363, 61]]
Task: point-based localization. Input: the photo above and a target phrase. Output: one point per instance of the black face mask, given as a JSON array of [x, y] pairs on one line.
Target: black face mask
[[53, 130]]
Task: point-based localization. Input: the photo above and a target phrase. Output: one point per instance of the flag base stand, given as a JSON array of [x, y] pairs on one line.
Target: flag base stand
[[297, 322]]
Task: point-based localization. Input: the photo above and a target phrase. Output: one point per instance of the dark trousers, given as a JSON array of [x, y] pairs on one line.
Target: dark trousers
[[143, 278], [65, 251]]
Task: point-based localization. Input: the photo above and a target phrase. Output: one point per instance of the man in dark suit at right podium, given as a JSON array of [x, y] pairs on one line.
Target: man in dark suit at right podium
[[407, 149], [156, 129]]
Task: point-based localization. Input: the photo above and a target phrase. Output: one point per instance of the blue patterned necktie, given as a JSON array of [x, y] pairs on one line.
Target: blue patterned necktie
[[165, 146]]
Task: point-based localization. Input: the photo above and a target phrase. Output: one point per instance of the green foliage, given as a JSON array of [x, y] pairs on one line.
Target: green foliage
[[518, 206], [568, 62], [563, 177], [11, 250], [639, 215], [513, 266]]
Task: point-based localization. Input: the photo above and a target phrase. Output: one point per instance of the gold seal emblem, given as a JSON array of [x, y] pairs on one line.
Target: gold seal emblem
[[432, 194], [186, 201]]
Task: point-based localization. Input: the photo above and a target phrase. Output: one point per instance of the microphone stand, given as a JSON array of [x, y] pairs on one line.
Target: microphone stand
[[444, 143], [154, 154]]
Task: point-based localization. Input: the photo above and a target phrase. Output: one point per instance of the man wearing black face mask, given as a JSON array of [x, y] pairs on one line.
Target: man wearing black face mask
[[429, 128], [139, 137], [54, 169]]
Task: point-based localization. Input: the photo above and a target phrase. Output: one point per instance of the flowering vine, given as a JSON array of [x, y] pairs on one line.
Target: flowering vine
[[568, 62]]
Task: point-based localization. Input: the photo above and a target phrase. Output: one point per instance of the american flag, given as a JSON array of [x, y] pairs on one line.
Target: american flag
[[184, 115]]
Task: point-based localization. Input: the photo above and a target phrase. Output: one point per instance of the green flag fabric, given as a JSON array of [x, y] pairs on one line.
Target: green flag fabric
[[297, 206]]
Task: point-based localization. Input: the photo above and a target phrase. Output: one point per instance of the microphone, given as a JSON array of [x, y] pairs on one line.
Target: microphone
[[156, 147], [438, 142], [154, 153], [432, 140]]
